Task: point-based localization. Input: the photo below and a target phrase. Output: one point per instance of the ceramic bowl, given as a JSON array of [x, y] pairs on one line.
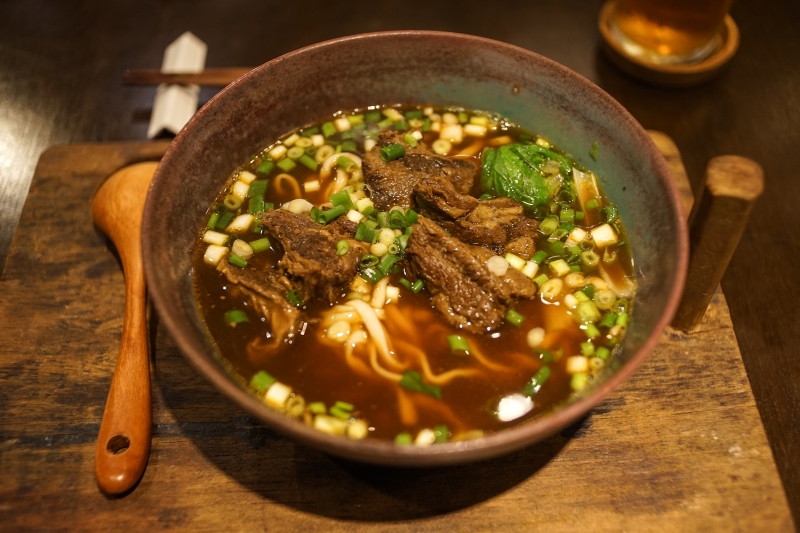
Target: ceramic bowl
[[414, 67]]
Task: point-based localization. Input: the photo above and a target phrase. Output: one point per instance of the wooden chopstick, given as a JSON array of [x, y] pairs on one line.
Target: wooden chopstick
[[218, 77]]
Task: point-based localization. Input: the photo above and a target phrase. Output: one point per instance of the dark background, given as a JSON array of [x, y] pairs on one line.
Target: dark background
[[61, 64]]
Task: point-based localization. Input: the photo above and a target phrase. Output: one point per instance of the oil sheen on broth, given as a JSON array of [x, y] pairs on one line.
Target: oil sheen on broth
[[414, 273]]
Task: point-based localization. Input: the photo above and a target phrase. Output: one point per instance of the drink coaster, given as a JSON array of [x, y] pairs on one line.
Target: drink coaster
[[670, 75]]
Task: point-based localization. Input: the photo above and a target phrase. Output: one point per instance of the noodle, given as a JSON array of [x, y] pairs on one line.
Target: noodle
[[373, 359], [441, 379], [281, 178], [408, 413], [399, 321]]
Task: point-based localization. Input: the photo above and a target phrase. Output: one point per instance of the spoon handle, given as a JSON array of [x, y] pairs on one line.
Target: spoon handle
[[123, 445]]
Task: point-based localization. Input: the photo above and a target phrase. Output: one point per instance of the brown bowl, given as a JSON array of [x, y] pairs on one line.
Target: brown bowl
[[414, 67]]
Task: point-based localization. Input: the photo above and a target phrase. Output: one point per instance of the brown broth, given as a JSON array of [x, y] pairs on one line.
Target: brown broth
[[316, 368]]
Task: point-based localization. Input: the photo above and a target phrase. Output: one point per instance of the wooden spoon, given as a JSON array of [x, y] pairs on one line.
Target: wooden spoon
[[123, 445]]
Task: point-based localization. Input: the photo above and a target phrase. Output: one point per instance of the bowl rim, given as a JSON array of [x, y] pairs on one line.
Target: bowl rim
[[386, 452]]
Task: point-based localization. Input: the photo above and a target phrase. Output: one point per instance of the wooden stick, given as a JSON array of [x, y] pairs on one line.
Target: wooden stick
[[217, 77], [732, 185]]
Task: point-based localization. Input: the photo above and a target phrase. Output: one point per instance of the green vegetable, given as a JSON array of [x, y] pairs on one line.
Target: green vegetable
[[536, 382], [514, 318], [458, 344], [318, 408], [265, 167], [286, 164], [342, 198], [515, 170], [413, 381], [235, 260], [309, 162], [294, 299], [328, 129], [261, 381], [212, 220], [392, 152], [402, 439], [441, 433], [342, 247], [260, 245]]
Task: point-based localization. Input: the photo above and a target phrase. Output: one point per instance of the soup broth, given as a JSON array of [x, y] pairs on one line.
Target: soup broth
[[392, 348]]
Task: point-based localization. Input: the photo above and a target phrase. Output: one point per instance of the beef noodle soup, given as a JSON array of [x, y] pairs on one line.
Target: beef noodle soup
[[413, 273]]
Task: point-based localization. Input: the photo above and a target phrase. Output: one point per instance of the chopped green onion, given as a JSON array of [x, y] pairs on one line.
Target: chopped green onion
[[256, 205], [608, 320], [212, 220], [344, 405], [578, 215], [339, 413], [591, 331], [622, 319], [369, 260], [260, 245], [417, 286], [578, 381], [441, 432], [412, 381], [324, 217], [401, 125], [413, 114], [405, 283], [536, 382], [345, 163], [410, 140], [294, 299], [328, 129], [388, 262], [235, 316], [602, 352], [593, 151], [587, 348], [356, 119], [373, 116], [590, 258], [544, 355], [426, 125], [383, 219], [385, 123], [235, 260], [349, 146], [309, 162], [587, 312], [318, 408], [309, 132], [396, 219], [265, 167], [541, 279], [257, 189], [342, 198], [458, 344], [548, 225], [567, 215], [295, 152], [411, 217], [575, 268], [232, 203], [514, 318], [286, 164], [364, 233], [593, 203], [261, 381], [402, 439], [392, 152], [342, 247], [539, 256], [371, 274]]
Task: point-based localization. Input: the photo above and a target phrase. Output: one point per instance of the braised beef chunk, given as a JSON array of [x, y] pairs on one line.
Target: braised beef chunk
[[310, 259], [463, 288], [498, 224], [392, 183], [266, 290], [342, 227]]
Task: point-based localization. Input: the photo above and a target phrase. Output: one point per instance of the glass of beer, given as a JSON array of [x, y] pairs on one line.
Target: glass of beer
[[669, 31]]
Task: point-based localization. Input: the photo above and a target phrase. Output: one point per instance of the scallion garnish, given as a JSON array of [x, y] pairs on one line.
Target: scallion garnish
[[411, 217], [339, 413], [309, 132], [622, 319], [412, 381], [458, 344], [261, 381], [235, 316], [602, 352], [371, 274], [324, 217], [402, 439], [373, 116], [608, 320], [548, 225], [593, 203], [286, 164], [610, 213], [536, 382], [364, 233], [417, 286], [309, 162], [442, 433], [318, 408], [212, 220], [349, 146], [328, 129], [410, 140], [235, 260], [587, 348], [413, 114], [392, 152], [342, 198], [396, 219], [260, 245], [514, 318], [369, 260], [265, 167], [388, 262], [342, 247], [593, 151], [539, 257]]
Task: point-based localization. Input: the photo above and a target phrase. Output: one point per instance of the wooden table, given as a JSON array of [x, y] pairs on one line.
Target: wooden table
[[678, 447], [61, 65]]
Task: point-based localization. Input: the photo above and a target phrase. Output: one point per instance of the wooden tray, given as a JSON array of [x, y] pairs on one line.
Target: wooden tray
[[680, 446]]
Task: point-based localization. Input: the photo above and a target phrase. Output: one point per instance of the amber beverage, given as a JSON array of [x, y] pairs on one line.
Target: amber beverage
[[669, 31]]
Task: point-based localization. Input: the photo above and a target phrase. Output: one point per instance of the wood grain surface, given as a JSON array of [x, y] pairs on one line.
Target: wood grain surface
[[679, 447]]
